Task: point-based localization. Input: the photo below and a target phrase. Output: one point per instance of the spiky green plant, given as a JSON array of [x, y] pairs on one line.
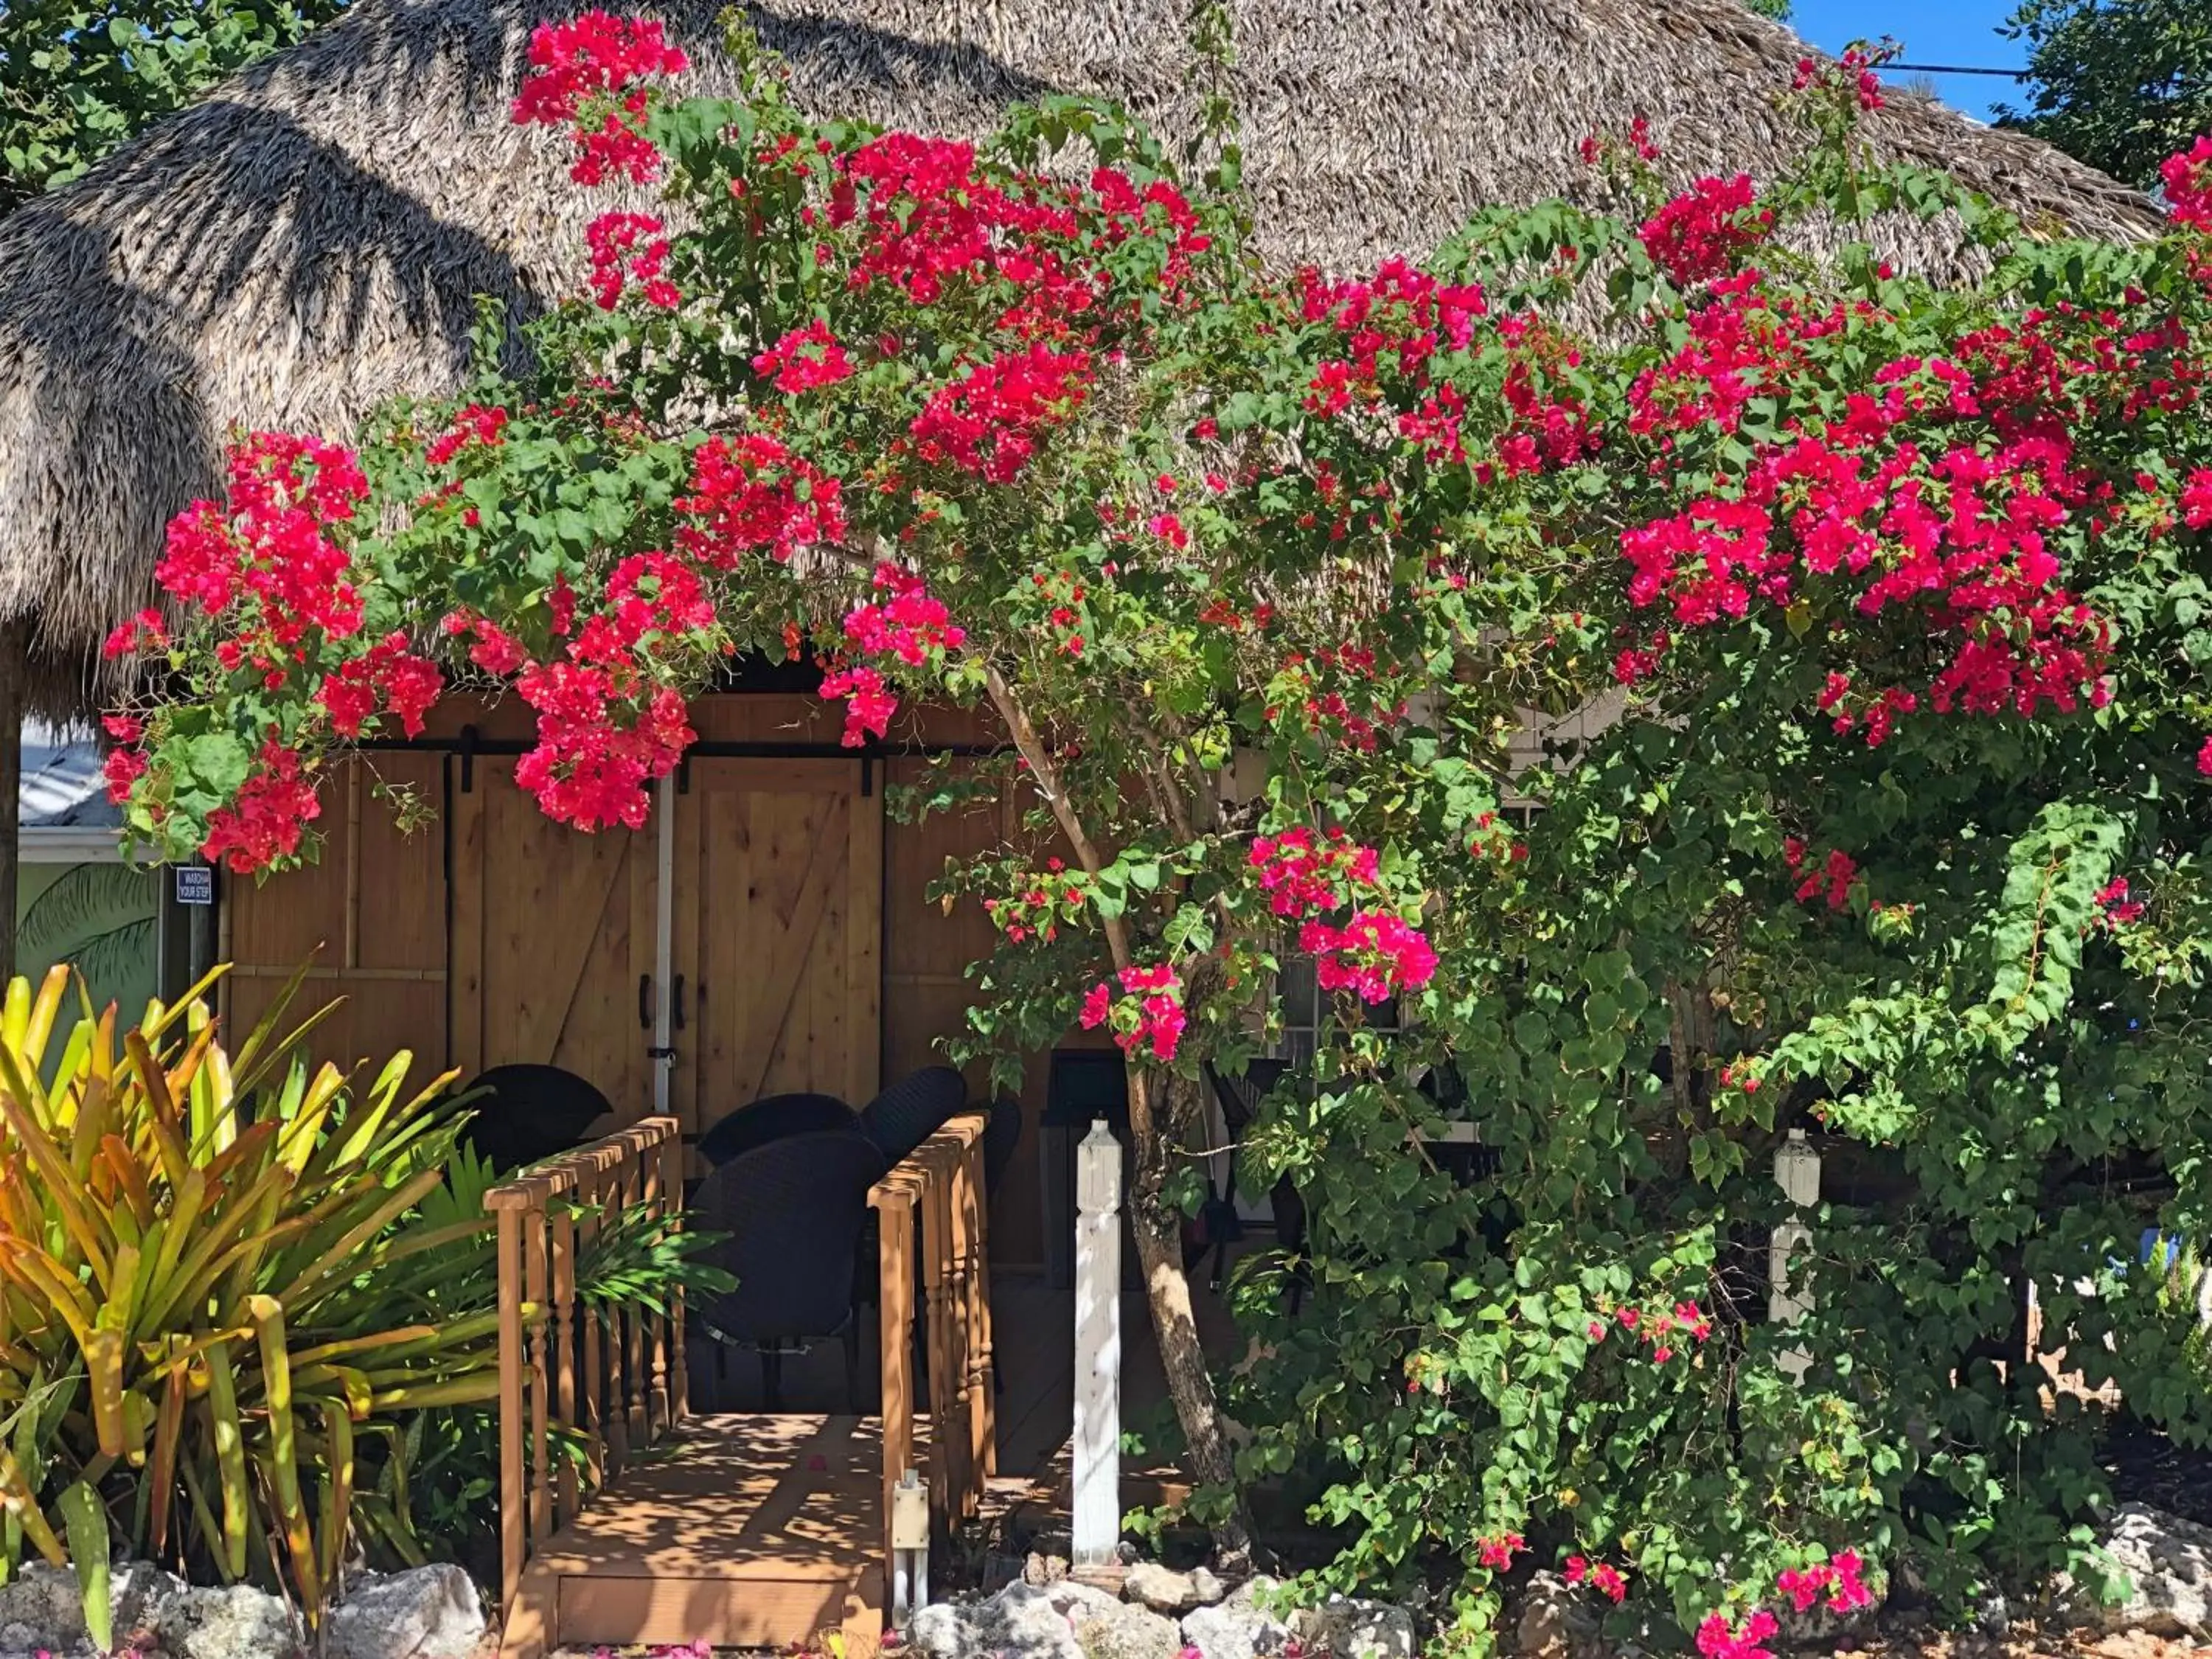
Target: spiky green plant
[[220, 1300]]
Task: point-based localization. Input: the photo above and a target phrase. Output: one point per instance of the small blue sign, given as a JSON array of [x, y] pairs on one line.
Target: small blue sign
[[195, 884]]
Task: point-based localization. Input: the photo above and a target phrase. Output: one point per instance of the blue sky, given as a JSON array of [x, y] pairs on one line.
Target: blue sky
[[1933, 31]]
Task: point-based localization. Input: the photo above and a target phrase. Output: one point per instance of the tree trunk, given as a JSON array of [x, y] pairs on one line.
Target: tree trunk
[[14, 680], [1158, 1104], [1157, 1229]]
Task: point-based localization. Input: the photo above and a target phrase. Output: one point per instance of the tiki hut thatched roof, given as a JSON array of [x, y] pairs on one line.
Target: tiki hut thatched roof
[[306, 242]]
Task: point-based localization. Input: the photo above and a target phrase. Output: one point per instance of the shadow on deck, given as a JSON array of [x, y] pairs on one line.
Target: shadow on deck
[[625, 1519]]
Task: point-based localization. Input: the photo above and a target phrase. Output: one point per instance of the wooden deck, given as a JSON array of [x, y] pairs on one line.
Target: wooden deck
[[746, 1529]]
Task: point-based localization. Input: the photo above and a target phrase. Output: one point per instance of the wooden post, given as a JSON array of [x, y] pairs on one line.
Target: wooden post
[[14, 683], [1797, 1172], [892, 1199], [1097, 1444], [986, 1351], [514, 1536]]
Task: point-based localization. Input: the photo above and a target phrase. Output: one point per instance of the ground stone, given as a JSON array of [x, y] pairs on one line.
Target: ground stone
[[1555, 1619], [145, 1604], [426, 1612], [1022, 1621], [1122, 1630], [2169, 1561], [1162, 1589], [41, 1606], [1353, 1629], [1238, 1627], [239, 1622]]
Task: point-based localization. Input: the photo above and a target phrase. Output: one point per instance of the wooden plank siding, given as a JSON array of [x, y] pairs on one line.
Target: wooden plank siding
[[491, 935], [369, 919]]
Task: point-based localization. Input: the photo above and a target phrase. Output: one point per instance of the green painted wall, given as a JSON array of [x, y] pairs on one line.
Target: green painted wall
[[100, 917]]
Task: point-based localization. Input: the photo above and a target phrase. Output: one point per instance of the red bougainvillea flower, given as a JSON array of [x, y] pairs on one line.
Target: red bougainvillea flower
[[1375, 955], [2187, 178], [263, 558], [495, 650], [584, 75], [2119, 909], [804, 360], [987, 420], [2197, 499], [618, 259], [1157, 1006], [388, 676], [1838, 1579], [1302, 873], [122, 767], [1717, 1639], [476, 425], [908, 623], [594, 756], [869, 703], [1499, 1552], [1605, 1580], [144, 632], [752, 492], [1701, 233], [265, 821]]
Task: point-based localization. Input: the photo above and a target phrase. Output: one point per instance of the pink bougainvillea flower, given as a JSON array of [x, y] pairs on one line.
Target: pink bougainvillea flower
[[1499, 1552], [2187, 178], [804, 360]]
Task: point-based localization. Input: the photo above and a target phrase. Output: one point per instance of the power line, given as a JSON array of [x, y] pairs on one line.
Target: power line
[[1954, 69]]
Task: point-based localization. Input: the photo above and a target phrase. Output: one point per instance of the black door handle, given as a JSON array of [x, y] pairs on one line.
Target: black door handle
[[645, 1002], [676, 1002]]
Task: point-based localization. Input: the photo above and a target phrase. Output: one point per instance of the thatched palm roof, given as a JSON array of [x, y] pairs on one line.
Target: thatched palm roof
[[305, 243]]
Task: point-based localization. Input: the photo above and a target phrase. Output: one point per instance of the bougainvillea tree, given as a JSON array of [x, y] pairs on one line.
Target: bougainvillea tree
[[1886, 604]]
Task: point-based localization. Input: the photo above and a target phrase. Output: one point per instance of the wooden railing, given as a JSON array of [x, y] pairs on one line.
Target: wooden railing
[[612, 1380], [607, 1379], [931, 1207]]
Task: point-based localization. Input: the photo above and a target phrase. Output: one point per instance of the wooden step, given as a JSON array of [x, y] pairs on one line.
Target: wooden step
[[748, 1529]]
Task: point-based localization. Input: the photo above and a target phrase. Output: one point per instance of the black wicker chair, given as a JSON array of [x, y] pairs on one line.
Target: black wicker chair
[[792, 1211], [771, 1119], [526, 1114], [1002, 1135], [908, 1112]]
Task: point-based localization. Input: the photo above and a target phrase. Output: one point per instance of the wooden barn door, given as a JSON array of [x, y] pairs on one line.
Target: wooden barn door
[[367, 919], [553, 942], [779, 922]]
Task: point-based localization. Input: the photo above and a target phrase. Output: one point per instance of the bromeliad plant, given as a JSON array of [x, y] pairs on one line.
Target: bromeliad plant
[[251, 1307], [217, 1324], [1892, 599]]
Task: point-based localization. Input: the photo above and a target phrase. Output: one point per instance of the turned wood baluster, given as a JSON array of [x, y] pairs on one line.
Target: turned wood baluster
[[534, 1292], [949, 1392], [672, 1190], [564, 1337], [634, 1361], [982, 1384], [617, 1396], [650, 1172], [505, 1203], [593, 1423]]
